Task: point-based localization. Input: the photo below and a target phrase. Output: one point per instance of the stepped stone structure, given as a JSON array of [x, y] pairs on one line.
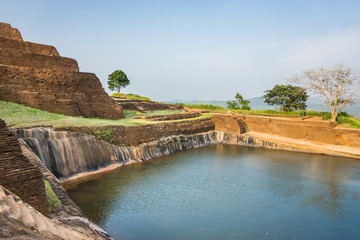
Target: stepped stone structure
[[18, 174], [37, 76], [145, 105]]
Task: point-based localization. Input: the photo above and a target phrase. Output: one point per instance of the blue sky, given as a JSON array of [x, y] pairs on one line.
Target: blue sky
[[207, 50]]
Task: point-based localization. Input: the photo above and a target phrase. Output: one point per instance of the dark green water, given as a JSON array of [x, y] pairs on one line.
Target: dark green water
[[228, 192]]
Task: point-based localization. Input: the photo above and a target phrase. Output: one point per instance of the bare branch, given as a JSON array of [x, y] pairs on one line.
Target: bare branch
[[339, 86]]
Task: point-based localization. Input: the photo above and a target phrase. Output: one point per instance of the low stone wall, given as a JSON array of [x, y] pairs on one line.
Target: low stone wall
[[148, 106], [172, 116], [34, 60], [18, 174], [229, 124], [134, 135], [318, 131], [321, 131]]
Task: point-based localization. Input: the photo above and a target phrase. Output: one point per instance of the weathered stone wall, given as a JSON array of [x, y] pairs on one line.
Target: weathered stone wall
[[171, 116], [8, 32], [70, 93], [318, 131], [17, 173], [131, 136], [35, 75], [34, 60], [229, 124], [148, 106], [29, 47]]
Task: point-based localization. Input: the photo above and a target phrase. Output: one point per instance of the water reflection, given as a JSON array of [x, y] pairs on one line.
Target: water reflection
[[223, 191]]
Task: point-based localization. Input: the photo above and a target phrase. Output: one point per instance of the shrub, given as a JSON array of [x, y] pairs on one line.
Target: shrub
[[52, 200], [130, 96]]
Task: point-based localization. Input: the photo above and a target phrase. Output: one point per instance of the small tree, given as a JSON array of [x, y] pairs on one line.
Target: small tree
[[339, 86], [244, 104], [286, 97], [240, 104], [117, 80], [232, 105]]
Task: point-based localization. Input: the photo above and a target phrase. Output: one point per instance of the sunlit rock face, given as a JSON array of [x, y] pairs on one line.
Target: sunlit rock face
[[37, 76]]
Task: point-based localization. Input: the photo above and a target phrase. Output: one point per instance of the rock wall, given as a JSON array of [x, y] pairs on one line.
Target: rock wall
[[8, 32], [7, 43], [69, 93], [318, 131], [18, 174], [15, 57], [229, 124], [67, 153], [35, 75], [169, 117], [144, 106], [134, 135]]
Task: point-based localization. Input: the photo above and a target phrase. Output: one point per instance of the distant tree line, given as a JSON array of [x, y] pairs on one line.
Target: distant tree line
[[339, 87]]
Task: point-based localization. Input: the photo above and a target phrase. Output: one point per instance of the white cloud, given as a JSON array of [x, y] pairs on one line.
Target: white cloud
[[326, 50]]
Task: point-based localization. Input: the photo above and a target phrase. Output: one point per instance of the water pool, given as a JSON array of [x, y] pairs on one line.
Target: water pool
[[228, 192]]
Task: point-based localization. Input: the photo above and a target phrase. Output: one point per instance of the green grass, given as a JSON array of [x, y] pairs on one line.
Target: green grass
[[343, 119], [131, 96], [348, 122], [202, 106], [52, 199], [19, 116], [133, 113]]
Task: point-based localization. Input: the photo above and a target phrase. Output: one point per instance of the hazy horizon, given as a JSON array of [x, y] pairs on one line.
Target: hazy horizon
[[207, 50]]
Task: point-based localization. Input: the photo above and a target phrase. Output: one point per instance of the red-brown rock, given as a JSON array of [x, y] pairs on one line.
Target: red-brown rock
[[37, 76]]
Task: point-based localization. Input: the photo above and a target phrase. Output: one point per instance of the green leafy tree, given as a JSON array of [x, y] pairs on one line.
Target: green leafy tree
[[232, 105], [287, 97], [117, 80], [243, 104], [240, 103]]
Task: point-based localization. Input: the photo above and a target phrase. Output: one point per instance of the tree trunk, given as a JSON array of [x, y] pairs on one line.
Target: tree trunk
[[118, 92], [333, 117]]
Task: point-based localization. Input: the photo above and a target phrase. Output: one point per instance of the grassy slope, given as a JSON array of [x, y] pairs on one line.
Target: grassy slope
[[19, 116], [131, 96]]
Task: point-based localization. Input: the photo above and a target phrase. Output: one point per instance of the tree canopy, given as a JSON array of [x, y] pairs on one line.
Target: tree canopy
[[286, 97], [338, 86], [240, 103], [117, 80]]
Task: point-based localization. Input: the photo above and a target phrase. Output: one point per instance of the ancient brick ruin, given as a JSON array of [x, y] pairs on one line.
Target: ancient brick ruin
[[37, 76], [145, 105], [18, 174]]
